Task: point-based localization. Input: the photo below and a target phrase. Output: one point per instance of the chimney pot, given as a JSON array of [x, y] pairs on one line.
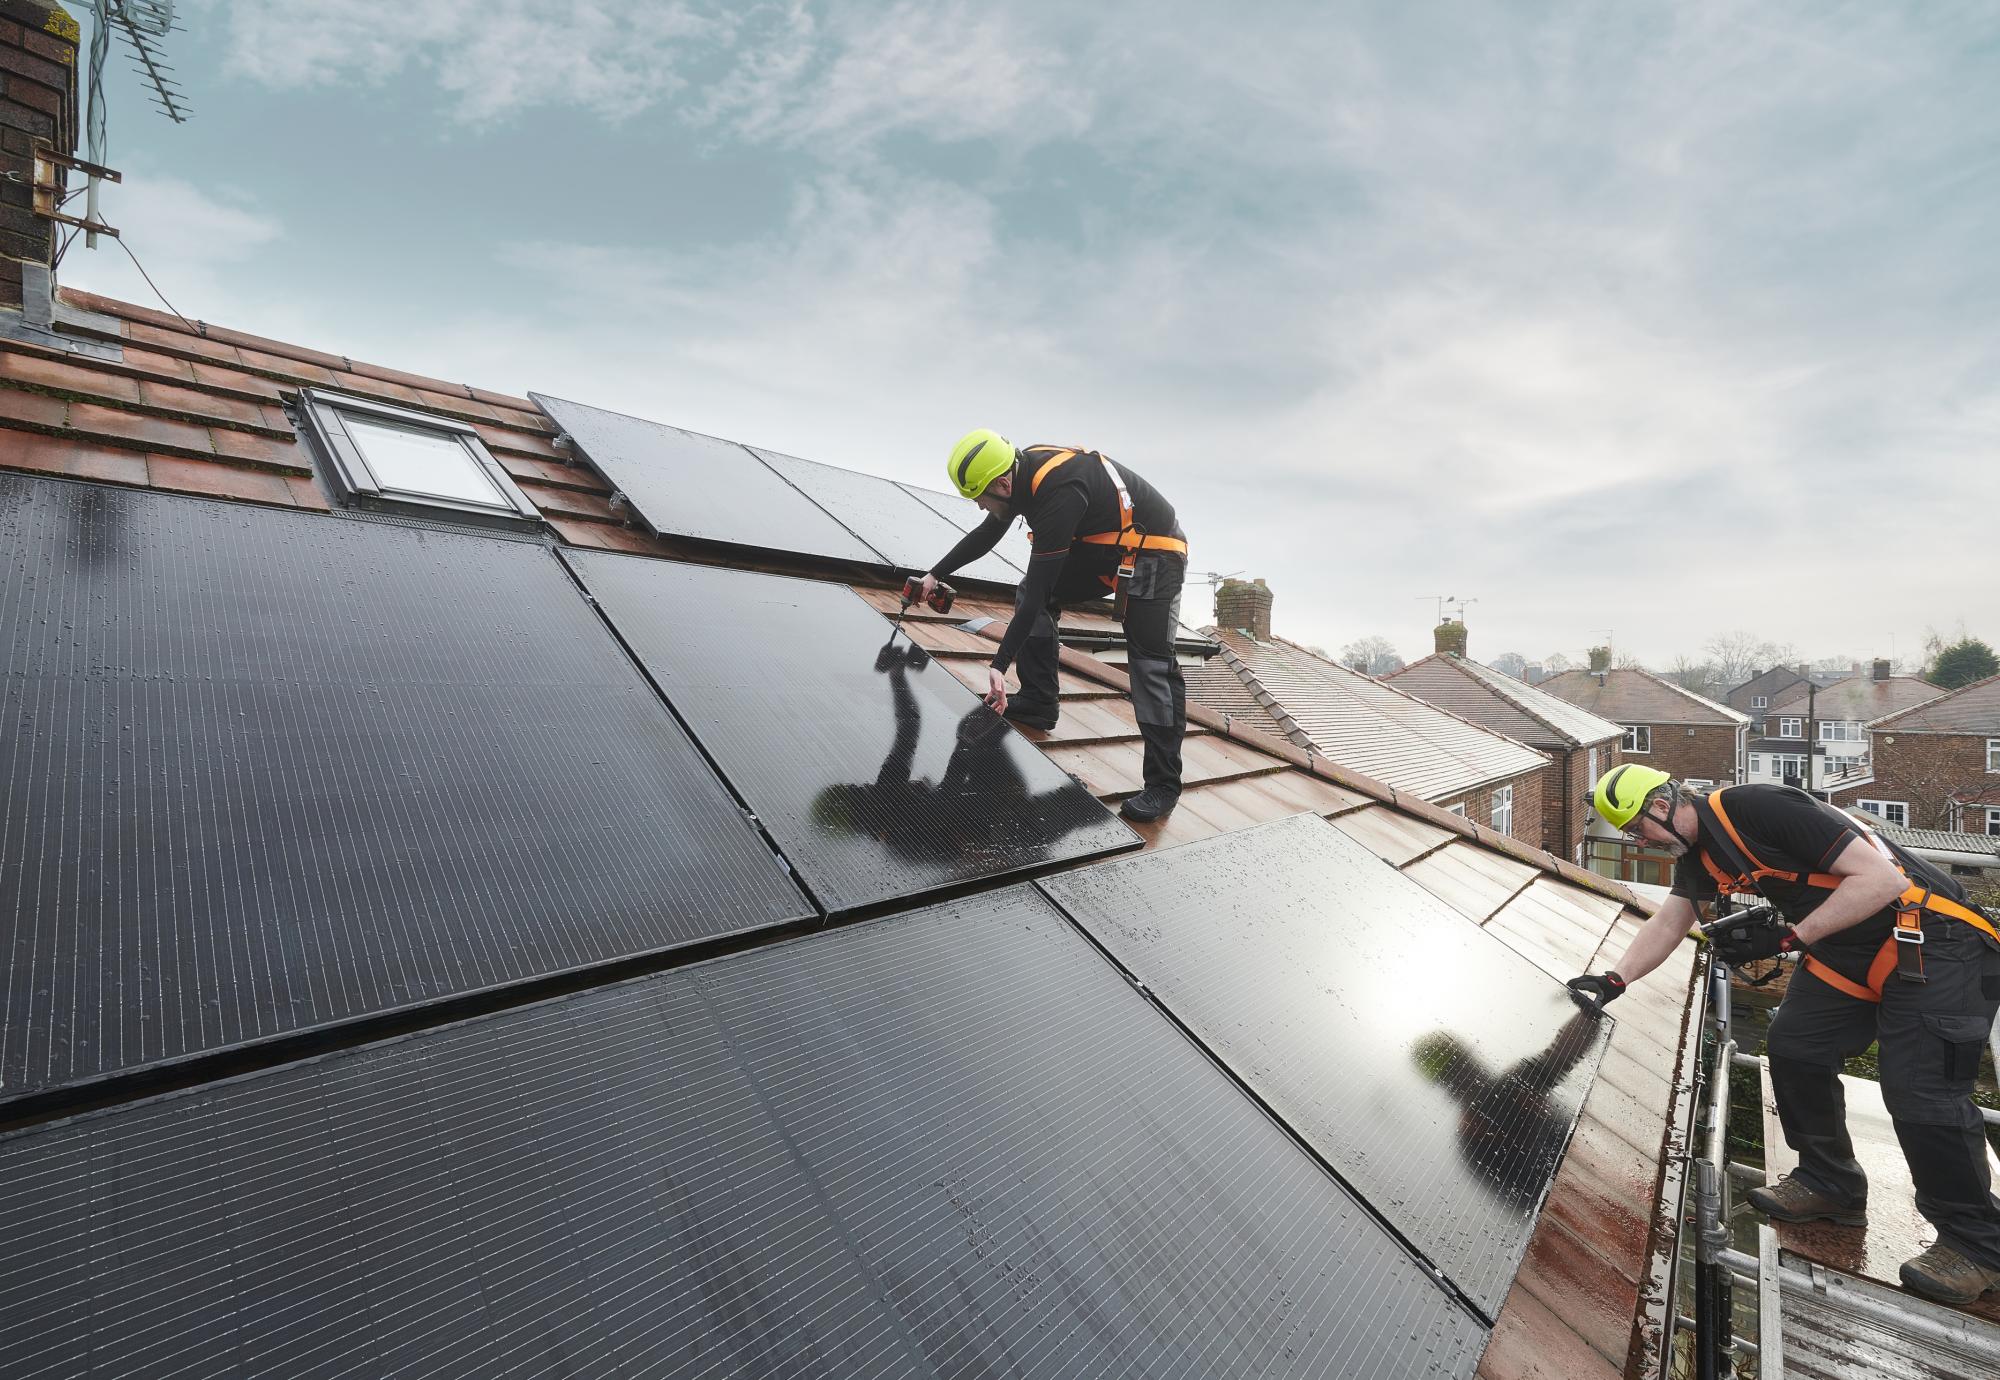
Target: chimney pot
[[1244, 606]]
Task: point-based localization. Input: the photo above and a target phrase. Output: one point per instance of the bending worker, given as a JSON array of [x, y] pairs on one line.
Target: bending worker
[[1894, 953], [1097, 529]]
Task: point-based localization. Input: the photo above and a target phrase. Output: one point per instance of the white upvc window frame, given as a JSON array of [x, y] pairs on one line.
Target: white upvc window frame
[[1756, 764], [1993, 754], [1789, 727], [356, 484], [1881, 810], [1503, 809], [1839, 731], [1993, 819], [1456, 808], [1760, 702], [1635, 734]]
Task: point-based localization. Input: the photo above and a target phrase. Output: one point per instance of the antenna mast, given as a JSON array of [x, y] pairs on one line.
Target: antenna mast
[[141, 24]]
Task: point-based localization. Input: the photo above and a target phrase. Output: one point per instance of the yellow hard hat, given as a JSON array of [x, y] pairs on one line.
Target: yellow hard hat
[[1621, 792], [977, 460]]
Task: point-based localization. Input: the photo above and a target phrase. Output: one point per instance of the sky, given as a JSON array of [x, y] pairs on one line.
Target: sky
[[1643, 322]]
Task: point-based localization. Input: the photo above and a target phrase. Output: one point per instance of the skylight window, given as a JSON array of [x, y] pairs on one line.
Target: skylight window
[[381, 456]]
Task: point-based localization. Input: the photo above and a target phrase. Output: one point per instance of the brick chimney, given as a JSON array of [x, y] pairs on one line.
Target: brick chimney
[[1881, 669], [37, 107], [1600, 659], [1244, 606], [1449, 638]]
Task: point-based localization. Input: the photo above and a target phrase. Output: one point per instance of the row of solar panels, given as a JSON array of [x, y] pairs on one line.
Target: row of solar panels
[[270, 772], [684, 484]]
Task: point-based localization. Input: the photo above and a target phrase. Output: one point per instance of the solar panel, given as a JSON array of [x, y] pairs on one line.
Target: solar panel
[[948, 1143], [268, 771], [685, 484], [965, 515], [1432, 1067], [885, 515], [877, 771]]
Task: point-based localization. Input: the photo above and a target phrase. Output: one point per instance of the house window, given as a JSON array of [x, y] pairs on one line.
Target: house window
[[1503, 809], [1456, 809], [1993, 754], [1888, 811], [379, 456], [1696, 783], [1593, 767], [1791, 728], [1993, 821], [1839, 731], [1788, 765], [1756, 764], [1638, 738], [1761, 702]]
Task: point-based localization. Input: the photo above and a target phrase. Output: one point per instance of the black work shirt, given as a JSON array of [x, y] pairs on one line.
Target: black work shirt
[[1787, 829], [1075, 499]]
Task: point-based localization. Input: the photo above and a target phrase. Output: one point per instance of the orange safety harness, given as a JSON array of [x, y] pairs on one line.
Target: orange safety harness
[[1903, 950], [1130, 538]]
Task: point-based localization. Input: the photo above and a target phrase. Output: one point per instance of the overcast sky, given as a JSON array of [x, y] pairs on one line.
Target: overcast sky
[[1668, 318]]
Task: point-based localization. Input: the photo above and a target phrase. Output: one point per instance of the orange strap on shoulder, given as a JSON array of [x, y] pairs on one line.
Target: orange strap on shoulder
[[1042, 472]]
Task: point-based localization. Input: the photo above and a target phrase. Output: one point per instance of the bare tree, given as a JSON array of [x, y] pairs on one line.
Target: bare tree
[[1698, 676], [1373, 656], [1555, 663], [1740, 655], [1510, 664]]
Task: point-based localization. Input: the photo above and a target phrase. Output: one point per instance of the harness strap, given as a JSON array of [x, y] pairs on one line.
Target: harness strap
[[1042, 471], [1128, 537]]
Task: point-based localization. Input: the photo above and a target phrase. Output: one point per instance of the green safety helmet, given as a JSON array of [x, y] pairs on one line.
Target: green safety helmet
[[977, 460], [1621, 792]]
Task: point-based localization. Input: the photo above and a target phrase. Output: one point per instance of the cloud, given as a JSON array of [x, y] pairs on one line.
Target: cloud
[[193, 243]]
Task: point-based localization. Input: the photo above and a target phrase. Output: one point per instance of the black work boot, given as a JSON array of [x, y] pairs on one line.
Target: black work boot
[[1789, 1200], [1949, 1276], [1150, 803]]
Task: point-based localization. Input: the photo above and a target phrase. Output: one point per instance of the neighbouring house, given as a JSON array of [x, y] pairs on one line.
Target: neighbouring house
[[1754, 695], [1688, 736], [1579, 745], [496, 894], [1829, 726], [1366, 724], [1935, 765]]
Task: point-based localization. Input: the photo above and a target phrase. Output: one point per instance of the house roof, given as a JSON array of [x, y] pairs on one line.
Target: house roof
[[1943, 840], [1767, 683], [1973, 709], [1858, 699], [1632, 695], [201, 411], [1498, 701], [1363, 723]]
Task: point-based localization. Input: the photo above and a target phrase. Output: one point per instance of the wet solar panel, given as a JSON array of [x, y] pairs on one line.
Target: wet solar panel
[[947, 1143], [878, 773], [1434, 1069], [965, 515], [885, 515], [685, 484], [270, 771]]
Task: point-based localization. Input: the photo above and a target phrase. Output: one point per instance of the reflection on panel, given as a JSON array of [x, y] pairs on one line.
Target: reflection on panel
[[885, 515], [878, 773], [1436, 1070], [267, 771], [685, 484], [965, 515], [952, 1142]]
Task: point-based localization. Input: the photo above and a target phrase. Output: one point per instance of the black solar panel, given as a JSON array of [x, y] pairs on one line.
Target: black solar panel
[[266, 771], [685, 484], [1436, 1070], [965, 515], [878, 773], [947, 1144], [887, 516]]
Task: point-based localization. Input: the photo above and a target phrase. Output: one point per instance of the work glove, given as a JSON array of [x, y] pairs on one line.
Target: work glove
[[1595, 991], [1751, 935]]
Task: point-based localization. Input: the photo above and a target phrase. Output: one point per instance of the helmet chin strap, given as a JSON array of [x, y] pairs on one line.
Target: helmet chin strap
[[1674, 808]]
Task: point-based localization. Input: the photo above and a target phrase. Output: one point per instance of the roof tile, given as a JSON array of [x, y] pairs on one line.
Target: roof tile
[[1531, 1343], [217, 481], [96, 420], [1631, 695]]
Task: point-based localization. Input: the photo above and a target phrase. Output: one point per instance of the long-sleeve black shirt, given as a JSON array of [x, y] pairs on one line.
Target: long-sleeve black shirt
[[1075, 499]]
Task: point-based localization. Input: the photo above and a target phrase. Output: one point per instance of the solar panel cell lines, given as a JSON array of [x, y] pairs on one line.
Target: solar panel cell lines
[[878, 773], [887, 516], [267, 771], [965, 515], [689, 485], [952, 1143], [1435, 1070]]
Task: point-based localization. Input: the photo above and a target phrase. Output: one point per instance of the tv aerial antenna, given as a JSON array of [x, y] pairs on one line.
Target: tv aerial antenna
[[1445, 602], [142, 25]]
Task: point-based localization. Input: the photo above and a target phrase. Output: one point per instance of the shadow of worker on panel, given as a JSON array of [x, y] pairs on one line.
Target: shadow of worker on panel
[[979, 810], [1512, 1122]]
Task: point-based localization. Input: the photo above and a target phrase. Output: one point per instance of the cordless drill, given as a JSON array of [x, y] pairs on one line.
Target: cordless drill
[[913, 590]]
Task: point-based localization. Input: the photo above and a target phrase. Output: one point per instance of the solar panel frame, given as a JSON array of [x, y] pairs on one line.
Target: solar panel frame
[[1441, 1076], [874, 769], [271, 772], [945, 1142], [686, 484], [965, 515], [911, 533]]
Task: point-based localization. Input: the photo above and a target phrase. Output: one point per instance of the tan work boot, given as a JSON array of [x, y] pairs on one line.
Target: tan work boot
[[1788, 1200], [1944, 1274]]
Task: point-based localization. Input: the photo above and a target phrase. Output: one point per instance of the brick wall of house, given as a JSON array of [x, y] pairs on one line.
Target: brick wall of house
[[37, 106], [1565, 783], [1926, 770], [1529, 794], [1706, 753]]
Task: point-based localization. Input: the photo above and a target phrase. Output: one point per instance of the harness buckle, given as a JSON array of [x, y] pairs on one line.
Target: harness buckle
[[1909, 934]]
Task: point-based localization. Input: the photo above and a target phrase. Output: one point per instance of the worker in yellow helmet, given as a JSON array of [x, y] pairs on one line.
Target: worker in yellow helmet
[[1098, 529], [1895, 954]]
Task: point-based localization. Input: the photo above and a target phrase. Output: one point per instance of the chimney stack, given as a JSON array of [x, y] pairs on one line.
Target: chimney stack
[[1244, 606], [37, 109], [1881, 669], [1600, 659], [1449, 638]]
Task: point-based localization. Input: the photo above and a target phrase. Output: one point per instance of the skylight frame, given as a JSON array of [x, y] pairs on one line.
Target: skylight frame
[[358, 483]]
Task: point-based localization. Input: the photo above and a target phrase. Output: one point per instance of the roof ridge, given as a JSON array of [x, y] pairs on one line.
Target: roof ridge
[[1932, 704], [1733, 714], [1259, 691], [1491, 679]]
